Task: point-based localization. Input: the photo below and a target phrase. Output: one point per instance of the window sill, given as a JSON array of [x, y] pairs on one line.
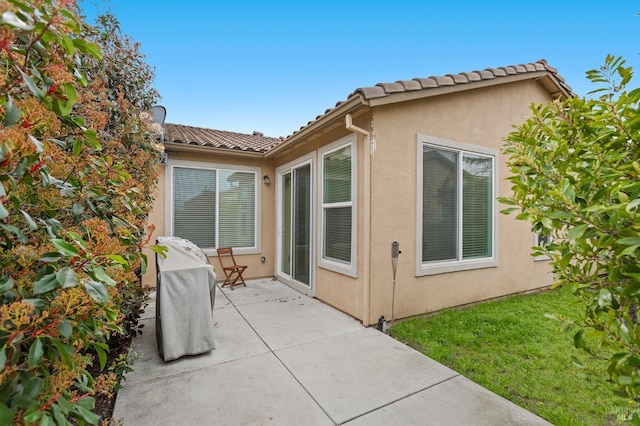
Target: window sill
[[340, 268], [448, 267], [236, 251], [541, 258]]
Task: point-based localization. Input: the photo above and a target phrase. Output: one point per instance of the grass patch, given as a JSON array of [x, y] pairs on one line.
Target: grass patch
[[511, 348]]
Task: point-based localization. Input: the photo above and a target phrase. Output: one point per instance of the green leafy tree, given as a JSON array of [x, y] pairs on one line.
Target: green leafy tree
[[575, 172], [122, 68], [77, 170]]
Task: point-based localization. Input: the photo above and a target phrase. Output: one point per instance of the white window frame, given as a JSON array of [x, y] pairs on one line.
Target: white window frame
[[346, 268], [441, 267], [538, 243], [257, 248]]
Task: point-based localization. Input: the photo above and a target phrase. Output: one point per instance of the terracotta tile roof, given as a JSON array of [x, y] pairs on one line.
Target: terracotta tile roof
[[189, 135], [382, 90], [386, 89]]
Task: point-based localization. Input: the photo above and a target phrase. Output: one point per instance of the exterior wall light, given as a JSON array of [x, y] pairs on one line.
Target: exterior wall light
[[164, 159], [266, 180]]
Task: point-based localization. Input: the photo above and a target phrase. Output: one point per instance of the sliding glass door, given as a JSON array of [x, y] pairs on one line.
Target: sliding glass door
[[294, 220]]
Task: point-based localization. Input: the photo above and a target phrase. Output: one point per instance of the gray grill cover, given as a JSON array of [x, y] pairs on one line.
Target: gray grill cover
[[185, 296]]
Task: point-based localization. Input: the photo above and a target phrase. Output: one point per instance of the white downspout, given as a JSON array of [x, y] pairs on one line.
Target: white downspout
[[366, 293]]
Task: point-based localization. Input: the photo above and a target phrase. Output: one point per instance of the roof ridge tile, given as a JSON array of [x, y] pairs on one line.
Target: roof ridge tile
[[459, 78], [498, 72], [427, 83], [410, 85], [391, 87], [443, 80], [510, 70], [472, 76]]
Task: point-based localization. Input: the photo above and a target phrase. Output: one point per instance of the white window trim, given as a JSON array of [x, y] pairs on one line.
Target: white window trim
[[168, 179], [433, 268], [536, 243], [345, 268]]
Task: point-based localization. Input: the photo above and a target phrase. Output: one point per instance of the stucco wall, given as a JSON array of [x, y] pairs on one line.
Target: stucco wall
[[479, 117], [156, 217]]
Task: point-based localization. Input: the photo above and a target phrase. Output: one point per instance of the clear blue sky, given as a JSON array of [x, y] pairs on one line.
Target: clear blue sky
[[273, 66]]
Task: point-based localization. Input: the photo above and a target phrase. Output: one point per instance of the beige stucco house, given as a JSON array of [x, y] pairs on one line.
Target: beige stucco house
[[418, 162]]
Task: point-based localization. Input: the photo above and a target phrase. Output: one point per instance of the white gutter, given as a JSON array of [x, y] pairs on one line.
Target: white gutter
[[366, 292]]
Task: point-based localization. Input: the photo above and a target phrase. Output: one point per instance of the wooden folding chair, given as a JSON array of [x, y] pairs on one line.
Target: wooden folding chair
[[232, 271]]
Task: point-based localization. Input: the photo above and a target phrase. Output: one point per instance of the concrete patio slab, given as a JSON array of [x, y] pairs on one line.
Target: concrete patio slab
[[250, 391], [283, 358], [222, 301], [292, 321], [261, 290], [458, 401], [234, 339], [150, 308], [352, 374]]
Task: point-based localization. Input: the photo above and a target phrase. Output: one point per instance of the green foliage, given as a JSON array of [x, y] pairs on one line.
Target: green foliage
[[77, 170], [575, 166], [121, 366], [517, 349], [122, 67]]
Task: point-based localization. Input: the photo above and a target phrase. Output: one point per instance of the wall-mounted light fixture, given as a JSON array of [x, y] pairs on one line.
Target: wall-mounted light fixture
[[159, 113], [164, 159], [266, 180]]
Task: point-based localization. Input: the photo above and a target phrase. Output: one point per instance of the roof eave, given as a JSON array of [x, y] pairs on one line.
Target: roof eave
[[555, 89], [181, 147], [553, 86]]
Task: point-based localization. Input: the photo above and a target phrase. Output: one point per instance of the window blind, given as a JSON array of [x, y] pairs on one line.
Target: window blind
[[457, 205], [337, 204], [337, 225], [194, 205], [337, 176], [237, 209], [440, 205], [477, 203], [214, 208]]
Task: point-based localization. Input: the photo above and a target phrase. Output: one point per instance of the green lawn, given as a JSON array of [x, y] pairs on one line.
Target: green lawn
[[511, 348]]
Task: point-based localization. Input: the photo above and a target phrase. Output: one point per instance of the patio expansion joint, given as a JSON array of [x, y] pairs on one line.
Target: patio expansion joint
[[400, 399], [273, 352]]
